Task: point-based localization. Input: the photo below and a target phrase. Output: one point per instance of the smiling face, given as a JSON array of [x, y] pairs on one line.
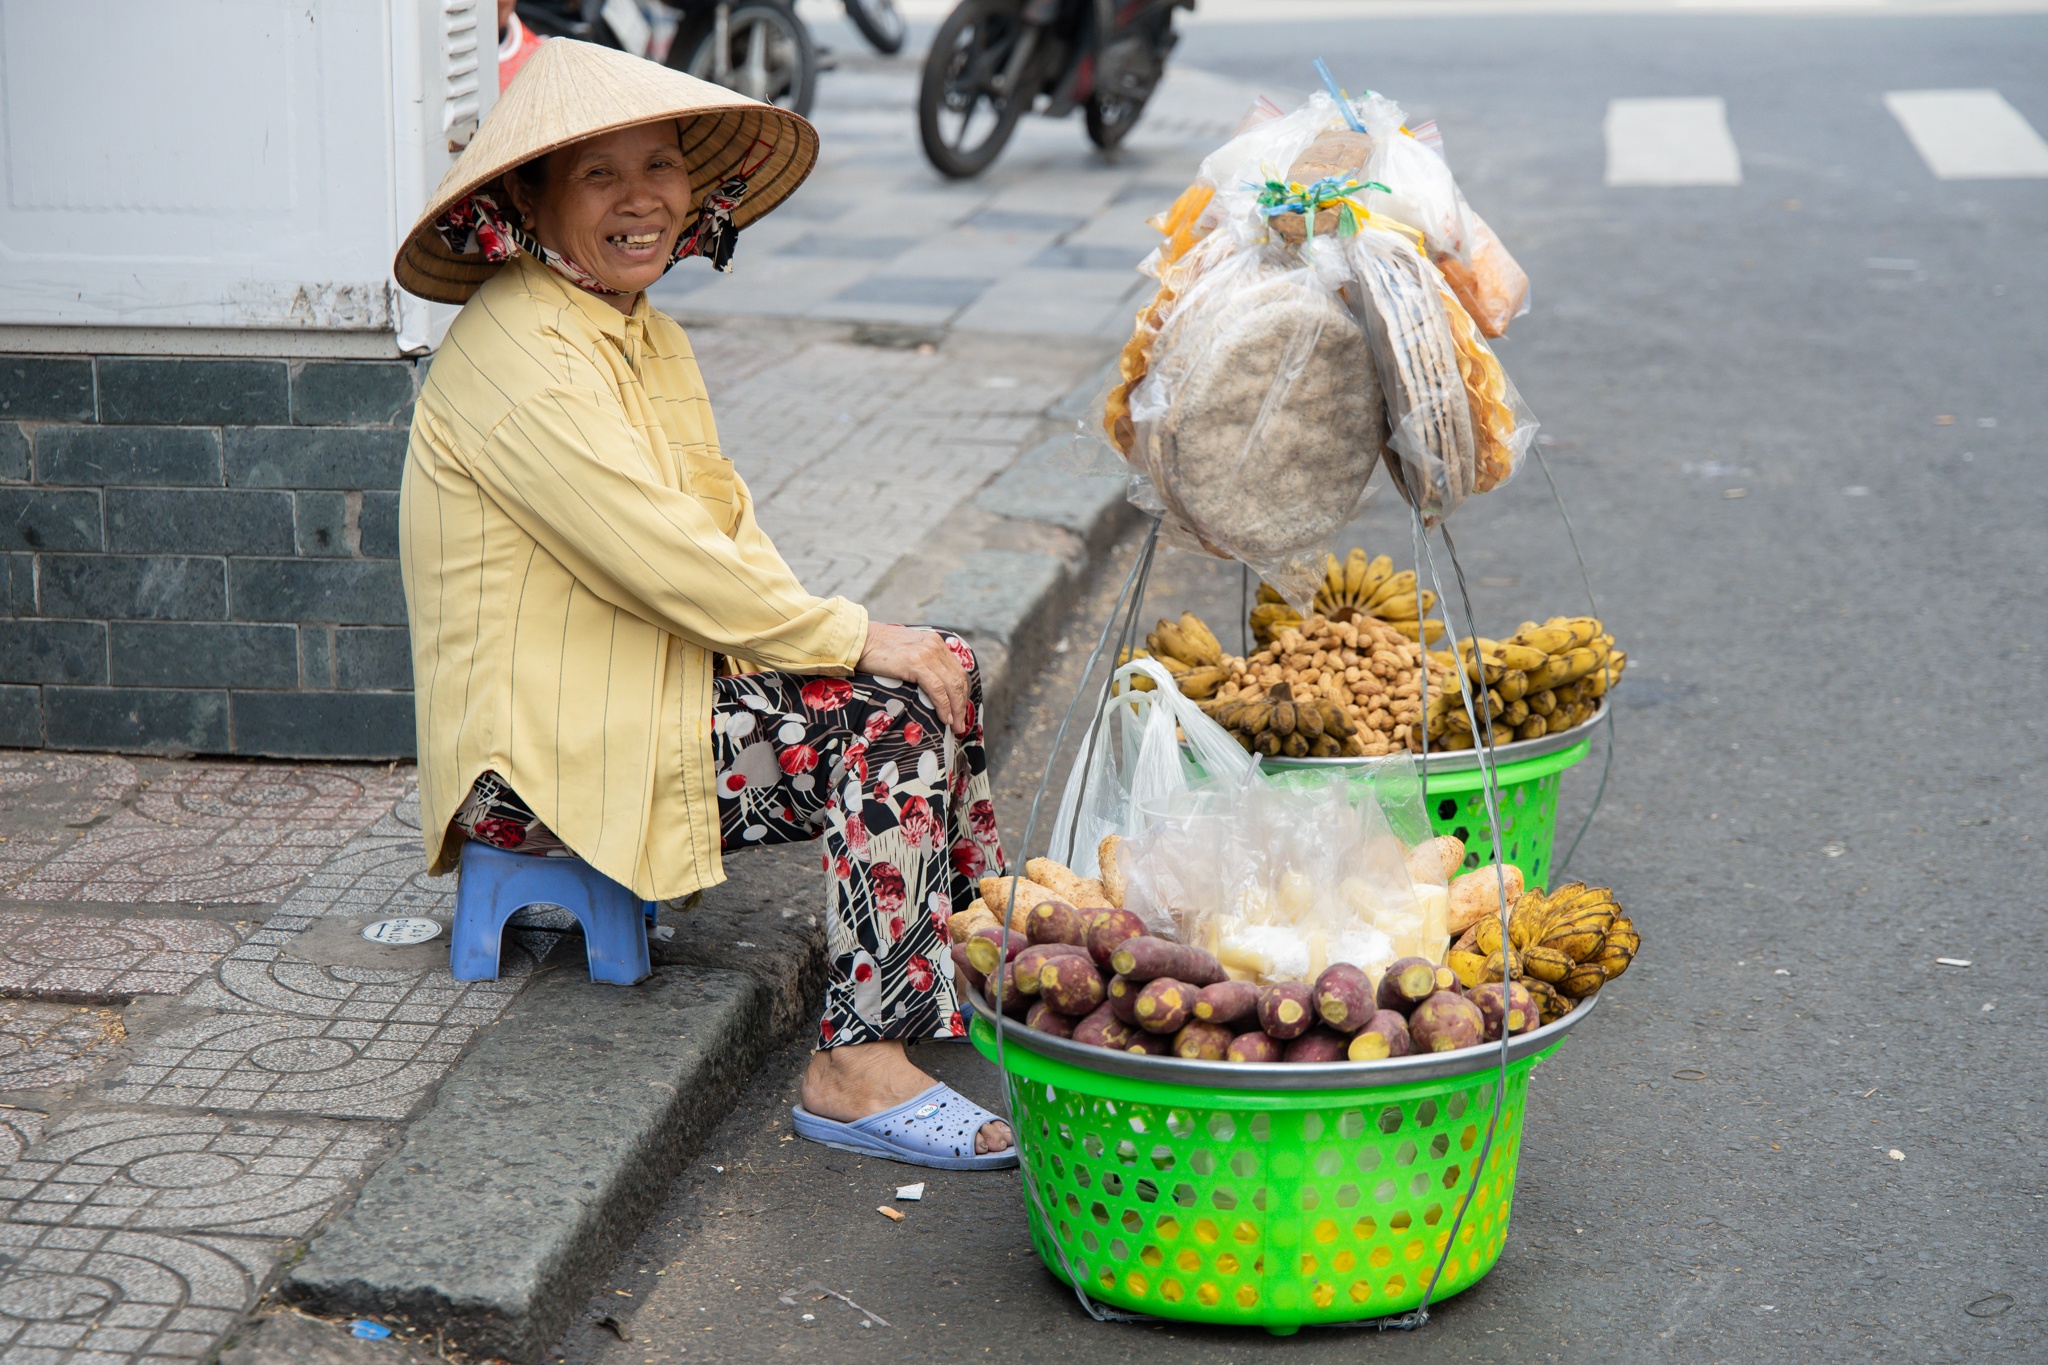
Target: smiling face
[[614, 204]]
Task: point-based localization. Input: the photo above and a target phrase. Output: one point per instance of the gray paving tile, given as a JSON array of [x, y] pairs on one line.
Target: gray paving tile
[[924, 290], [837, 247], [156, 1296], [189, 1173], [104, 956], [47, 1044]]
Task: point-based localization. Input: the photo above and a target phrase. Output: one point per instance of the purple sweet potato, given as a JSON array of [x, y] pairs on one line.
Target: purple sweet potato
[[1103, 1029], [1032, 961], [1147, 959], [963, 968], [1500, 1002], [1053, 922], [1408, 983], [1104, 931], [1384, 1035], [1151, 1044], [989, 945], [1285, 1009], [1446, 1022], [1202, 1042], [1343, 996], [1317, 1045], [1226, 1002], [1071, 984], [1016, 1003], [1045, 1019], [1123, 998], [1164, 1004], [1254, 1047]]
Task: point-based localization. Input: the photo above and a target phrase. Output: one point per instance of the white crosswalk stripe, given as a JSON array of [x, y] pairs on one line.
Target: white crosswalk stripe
[[1970, 134], [1671, 142]]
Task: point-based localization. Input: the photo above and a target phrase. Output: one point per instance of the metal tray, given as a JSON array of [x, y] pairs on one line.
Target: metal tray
[[1461, 760], [1428, 1066]]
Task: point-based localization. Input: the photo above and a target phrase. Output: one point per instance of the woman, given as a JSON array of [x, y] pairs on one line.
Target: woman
[[611, 660]]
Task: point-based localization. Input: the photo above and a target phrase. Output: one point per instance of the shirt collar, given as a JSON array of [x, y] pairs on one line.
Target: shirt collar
[[609, 320]]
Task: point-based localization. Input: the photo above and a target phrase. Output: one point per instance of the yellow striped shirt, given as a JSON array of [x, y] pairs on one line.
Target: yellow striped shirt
[[575, 548]]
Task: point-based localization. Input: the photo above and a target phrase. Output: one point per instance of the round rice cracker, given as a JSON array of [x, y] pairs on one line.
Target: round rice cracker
[[1265, 472]]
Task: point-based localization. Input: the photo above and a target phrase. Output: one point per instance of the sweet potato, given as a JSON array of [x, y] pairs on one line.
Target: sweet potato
[[1061, 881], [964, 968], [1317, 1045], [1106, 930], [1071, 984], [1510, 1003], [1201, 1042], [1408, 983], [1164, 1005], [1436, 860], [1053, 922], [1285, 1010], [1123, 998], [1031, 962], [1343, 997], [1226, 1002], [1104, 1029], [995, 892], [1384, 1035], [989, 945], [1109, 853], [965, 922], [1143, 959], [1151, 1044], [1476, 894], [1016, 1003], [1253, 1047], [1045, 1019], [1446, 1022]]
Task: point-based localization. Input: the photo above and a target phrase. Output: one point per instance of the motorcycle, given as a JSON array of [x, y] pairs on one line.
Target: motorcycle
[[879, 23], [757, 47], [992, 60]]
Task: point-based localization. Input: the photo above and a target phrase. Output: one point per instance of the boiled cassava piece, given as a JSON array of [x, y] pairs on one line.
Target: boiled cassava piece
[[1274, 420]]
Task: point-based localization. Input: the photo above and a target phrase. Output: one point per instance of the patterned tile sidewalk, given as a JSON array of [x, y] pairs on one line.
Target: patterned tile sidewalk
[[161, 830], [108, 958]]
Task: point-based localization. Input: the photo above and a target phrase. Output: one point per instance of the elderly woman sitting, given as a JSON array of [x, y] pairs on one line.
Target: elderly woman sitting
[[612, 661]]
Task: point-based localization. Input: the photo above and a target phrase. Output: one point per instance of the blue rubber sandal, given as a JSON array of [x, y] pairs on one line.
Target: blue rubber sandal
[[933, 1129]]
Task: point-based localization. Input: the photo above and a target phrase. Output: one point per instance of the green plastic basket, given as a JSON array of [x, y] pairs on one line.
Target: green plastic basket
[[1269, 1208]]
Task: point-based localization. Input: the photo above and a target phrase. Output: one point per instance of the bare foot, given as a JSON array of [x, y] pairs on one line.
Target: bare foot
[[852, 1082]]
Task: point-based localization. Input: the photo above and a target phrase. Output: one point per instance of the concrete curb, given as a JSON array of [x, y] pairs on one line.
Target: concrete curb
[[544, 1154]]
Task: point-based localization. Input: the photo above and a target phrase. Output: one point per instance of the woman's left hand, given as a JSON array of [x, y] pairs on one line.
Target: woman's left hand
[[920, 657]]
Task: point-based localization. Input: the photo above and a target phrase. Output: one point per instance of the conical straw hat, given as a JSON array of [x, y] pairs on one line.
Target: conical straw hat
[[569, 91]]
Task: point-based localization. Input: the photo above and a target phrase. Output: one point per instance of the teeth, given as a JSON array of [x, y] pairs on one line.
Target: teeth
[[638, 239]]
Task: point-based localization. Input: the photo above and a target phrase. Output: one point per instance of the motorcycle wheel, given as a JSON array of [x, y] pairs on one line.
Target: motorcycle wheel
[[961, 72], [880, 23], [769, 54], [1110, 120]]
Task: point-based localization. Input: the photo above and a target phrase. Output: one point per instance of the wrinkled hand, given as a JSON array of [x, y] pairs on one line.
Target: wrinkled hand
[[920, 657]]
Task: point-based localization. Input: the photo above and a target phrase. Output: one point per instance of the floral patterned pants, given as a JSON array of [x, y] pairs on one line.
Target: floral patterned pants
[[902, 804]]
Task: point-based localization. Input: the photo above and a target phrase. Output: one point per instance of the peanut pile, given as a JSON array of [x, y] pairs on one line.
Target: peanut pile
[[1363, 665]]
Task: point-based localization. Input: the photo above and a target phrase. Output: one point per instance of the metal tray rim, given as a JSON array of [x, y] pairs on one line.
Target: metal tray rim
[[1279, 1076], [1462, 760]]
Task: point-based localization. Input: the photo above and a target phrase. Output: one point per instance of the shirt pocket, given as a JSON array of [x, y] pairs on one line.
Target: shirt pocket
[[710, 479]]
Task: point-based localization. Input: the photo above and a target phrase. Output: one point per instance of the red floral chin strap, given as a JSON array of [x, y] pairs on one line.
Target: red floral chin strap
[[477, 224]]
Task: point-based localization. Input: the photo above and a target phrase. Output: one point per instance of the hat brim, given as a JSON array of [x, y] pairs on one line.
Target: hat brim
[[722, 133]]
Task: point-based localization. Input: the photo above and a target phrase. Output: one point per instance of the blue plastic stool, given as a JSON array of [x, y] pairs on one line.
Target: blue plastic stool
[[496, 885]]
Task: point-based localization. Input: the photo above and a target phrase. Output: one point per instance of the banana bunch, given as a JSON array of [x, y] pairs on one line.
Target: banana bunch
[[1189, 650], [1280, 724], [1352, 586], [1564, 946], [1541, 680]]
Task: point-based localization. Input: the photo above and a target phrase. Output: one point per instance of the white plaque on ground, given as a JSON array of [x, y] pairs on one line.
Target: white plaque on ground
[[401, 933]]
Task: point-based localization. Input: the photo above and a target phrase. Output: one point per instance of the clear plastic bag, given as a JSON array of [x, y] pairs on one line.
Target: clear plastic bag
[[1412, 184], [1132, 763], [1491, 286], [1281, 878]]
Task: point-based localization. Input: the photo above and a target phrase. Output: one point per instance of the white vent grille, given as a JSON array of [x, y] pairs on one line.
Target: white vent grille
[[461, 103]]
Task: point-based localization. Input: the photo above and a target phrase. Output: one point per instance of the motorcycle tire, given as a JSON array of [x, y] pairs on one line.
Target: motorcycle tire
[[1110, 120], [881, 23], [970, 49], [770, 55]]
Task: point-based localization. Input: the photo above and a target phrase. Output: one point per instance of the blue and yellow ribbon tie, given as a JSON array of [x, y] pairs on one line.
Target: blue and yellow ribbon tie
[[1283, 196]]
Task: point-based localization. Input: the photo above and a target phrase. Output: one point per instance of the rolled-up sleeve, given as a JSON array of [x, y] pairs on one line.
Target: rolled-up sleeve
[[568, 468]]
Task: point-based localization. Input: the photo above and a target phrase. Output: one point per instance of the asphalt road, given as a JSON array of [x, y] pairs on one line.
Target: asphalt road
[[1808, 482]]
